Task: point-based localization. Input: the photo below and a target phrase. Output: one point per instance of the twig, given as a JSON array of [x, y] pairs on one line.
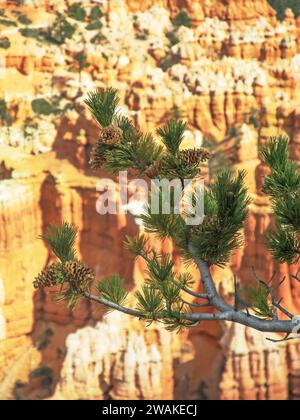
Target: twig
[[271, 290], [195, 294], [286, 338], [196, 305], [112, 305], [236, 293], [295, 277], [228, 312]]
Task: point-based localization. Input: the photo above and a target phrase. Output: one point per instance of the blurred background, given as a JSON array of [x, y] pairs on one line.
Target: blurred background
[[231, 69]]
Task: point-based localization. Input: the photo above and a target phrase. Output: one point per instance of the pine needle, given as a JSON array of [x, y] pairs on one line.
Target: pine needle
[[112, 289], [103, 104], [61, 240], [172, 135]]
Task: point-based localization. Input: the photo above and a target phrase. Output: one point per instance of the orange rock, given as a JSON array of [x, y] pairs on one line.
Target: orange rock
[[236, 58]]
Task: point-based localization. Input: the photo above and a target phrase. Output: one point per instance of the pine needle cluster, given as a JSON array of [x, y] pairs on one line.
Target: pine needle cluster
[[160, 297], [70, 274], [103, 105], [61, 240], [112, 289], [283, 187], [226, 208]]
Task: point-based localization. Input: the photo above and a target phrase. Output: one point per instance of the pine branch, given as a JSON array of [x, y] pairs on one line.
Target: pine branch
[[112, 305], [122, 146]]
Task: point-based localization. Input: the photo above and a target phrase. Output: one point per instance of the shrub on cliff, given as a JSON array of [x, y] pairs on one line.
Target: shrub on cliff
[[77, 12], [94, 19], [281, 5], [166, 295], [4, 42], [182, 19], [61, 30], [43, 107], [96, 13], [21, 18], [6, 22], [5, 116]]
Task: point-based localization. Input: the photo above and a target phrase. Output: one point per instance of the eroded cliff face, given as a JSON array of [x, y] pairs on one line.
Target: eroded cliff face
[[234, 75]]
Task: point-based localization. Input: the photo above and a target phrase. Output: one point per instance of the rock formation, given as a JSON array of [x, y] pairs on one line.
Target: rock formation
[[234, 76]]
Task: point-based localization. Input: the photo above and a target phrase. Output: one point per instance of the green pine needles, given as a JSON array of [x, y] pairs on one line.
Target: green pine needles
[[61, 240], [226, 204], [103, 104], [172, 135], [112, 289], [260, 300], [283, 187], [167, 295]]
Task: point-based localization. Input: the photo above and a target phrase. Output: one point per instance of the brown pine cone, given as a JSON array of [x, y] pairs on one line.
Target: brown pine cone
[[154, 169], [194, 156], [48, 277], [198, 229], [110, 135], [97, 156], [78, 272]]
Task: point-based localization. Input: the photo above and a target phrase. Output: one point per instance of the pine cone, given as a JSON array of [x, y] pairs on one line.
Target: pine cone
[[110, 135], [198, 229], [97, 156], [48, 277], [78, 272], [153, 170], [194, 156]]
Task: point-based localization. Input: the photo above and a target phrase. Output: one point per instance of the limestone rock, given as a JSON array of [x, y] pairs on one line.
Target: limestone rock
[[234, 76]]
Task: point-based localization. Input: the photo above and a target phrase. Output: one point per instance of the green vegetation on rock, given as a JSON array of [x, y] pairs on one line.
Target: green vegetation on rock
[[77, 12], [4, 42], [4, 113], [182, 19], [96, 24], [281, 5], [6, 22], [96, 13], [24, 20], [43, 107], [61, 30]]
